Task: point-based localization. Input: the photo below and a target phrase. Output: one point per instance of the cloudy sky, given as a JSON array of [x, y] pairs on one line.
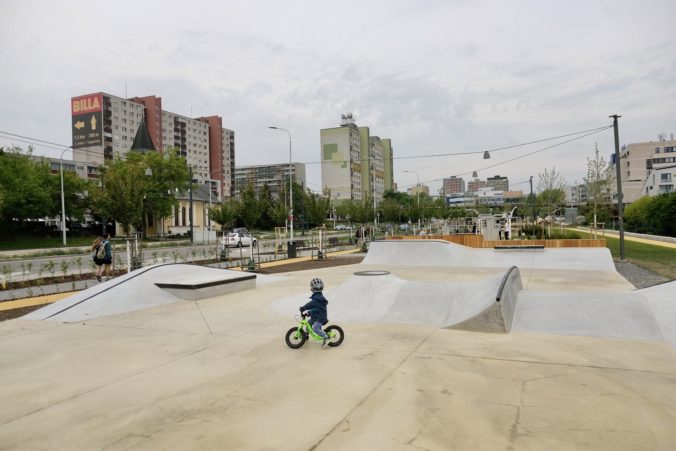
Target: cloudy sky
[[436, 77]]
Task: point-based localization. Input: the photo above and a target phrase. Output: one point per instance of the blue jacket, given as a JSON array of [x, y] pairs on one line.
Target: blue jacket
[[317, 308], [109, 251]]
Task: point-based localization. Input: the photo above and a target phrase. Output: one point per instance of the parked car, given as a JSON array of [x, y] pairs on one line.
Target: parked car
[[238, 239], [342, 227]]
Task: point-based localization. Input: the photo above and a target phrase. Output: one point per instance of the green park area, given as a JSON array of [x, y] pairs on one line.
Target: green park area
[[658, 259]]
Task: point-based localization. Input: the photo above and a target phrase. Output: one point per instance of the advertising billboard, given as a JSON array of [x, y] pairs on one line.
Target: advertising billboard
[[87, 115]]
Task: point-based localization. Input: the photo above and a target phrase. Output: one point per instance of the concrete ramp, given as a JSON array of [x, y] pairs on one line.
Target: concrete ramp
[[378, 296], [615, 315], [134, 291], [443, 253], [662, 301]]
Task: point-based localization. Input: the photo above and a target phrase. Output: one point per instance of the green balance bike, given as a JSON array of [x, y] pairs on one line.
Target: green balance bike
[[297, 336]]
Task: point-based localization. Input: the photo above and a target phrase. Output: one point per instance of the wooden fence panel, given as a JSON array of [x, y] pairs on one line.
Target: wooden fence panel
[[471, 240]]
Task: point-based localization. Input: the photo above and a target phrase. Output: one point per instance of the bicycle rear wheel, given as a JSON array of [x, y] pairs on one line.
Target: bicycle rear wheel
[[336, 335], [295, 338]]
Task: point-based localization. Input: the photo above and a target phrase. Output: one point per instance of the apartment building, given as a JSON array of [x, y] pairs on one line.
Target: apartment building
[[498, 183], [355, 165], [104, 127], [474, 185], [638, 161], [453, 186], [275, 176], [576, 194]]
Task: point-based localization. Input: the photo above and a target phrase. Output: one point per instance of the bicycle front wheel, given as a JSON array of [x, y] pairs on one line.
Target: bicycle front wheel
[[336, 335], [295, 338]]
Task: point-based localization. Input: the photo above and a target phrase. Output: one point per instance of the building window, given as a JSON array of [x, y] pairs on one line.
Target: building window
[[665, 177]]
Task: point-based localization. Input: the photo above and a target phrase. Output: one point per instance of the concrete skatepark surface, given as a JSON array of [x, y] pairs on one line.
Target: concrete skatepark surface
[[216, 374]]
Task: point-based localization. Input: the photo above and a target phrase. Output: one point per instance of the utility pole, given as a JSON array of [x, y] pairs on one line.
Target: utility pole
[[618, 171], [532, 200], [192, 237]]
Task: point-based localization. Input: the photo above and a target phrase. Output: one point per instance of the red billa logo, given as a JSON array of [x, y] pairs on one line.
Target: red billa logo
[[86, 104]]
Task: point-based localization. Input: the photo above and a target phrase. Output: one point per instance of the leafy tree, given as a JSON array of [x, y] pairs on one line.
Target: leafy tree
[[550, 186], [225, 214], [653, 215], [598, 185], [250, 210], [29, 190], [130, 191], [317, 208], [662, 214], [636, 213], [267, 205]]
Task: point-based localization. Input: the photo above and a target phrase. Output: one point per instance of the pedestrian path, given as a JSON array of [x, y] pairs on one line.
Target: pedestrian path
[[665, 241]]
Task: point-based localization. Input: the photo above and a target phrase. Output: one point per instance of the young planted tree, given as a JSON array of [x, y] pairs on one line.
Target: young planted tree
[[550, 187], [598, 186]]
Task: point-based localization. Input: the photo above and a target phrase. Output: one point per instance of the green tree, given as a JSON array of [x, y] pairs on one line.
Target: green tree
[[250, 210], [636, 214], [30, 190], [317, 208], [550, 187], [597, 184], [225, 214], [267, 205], [662, 214], [143, 184]]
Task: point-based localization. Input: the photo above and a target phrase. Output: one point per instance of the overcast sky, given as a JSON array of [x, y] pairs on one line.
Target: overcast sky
[[436, 77]]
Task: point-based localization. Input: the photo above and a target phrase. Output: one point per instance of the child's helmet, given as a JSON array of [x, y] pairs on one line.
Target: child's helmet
[[316, 285]]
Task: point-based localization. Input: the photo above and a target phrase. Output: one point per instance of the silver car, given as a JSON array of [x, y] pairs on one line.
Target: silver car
[[238, 240]]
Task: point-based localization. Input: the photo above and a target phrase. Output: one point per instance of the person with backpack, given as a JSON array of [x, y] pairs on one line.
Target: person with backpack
[[104, 253], [96, 245]]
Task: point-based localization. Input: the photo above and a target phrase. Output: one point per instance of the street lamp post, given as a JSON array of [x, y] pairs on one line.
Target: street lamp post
[[63, 197], [290, 183]]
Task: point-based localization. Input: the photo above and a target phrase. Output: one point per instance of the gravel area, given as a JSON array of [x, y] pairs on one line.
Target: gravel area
[[637, 276]]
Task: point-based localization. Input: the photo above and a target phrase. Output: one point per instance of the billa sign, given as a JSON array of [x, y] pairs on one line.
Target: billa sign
[[87, 112]]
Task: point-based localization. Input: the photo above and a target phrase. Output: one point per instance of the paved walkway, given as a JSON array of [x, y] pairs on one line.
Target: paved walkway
[[669, 242]]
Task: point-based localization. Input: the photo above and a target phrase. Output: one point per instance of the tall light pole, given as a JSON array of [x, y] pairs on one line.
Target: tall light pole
[[417, 186], [63, 197], [290, 183]]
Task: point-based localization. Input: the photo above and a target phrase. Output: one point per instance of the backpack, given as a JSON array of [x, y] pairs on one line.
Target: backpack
[[99, 252]]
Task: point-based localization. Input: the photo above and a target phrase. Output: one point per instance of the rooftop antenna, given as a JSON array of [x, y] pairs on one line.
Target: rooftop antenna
[[125, 89]]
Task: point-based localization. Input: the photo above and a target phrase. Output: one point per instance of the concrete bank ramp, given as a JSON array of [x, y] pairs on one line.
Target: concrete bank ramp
[[138, 290], [378, 296], [613, 315], [662, 301], [443, 253]]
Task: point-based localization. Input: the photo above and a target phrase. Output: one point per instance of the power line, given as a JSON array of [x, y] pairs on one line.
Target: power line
[[595, 131], [496, 149]]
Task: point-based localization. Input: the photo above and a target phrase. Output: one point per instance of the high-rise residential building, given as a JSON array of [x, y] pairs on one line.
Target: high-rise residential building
[[388, 165], [275, 176], [355, 165], [419, 189], [104, 127], [638, 162], [453, 186], [474, 185], [498, 183]]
